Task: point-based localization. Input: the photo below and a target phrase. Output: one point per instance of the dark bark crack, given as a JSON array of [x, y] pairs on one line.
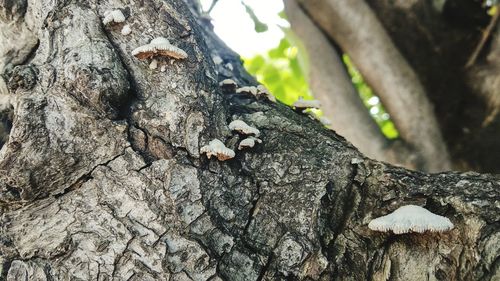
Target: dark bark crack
[[84, 178]]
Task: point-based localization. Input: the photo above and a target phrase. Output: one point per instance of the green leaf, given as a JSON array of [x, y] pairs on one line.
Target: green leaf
[[280, 71]]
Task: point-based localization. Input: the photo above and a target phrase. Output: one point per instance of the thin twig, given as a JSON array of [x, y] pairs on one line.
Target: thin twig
[[484, 38]]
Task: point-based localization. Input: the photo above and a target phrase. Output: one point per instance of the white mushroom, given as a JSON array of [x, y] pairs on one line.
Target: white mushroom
[[159, 47], [263, 91], [115, 16], [217, 59], [243, 128], [218, 149], [249, 142], [411, 218], [248, 89], [126, 30], [227, 82], [302, 103], [325, 121]]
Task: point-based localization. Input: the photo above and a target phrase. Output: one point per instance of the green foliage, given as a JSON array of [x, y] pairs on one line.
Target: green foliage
[[283, 70], [280, 71], [371, 101]]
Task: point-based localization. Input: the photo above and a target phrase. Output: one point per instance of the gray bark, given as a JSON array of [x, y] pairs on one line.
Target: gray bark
[[101, 177]]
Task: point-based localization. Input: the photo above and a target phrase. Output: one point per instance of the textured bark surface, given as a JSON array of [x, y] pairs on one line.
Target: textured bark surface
[[101, 177]]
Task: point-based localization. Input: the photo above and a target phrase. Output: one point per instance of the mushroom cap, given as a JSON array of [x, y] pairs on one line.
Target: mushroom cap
[[302, 103], [113, 16], [248, 89], [229, 82], [126, 30], [325, 121], [159, 46], [218, 149], [248, 142], [263, 91], [243, 128], [411, 218]]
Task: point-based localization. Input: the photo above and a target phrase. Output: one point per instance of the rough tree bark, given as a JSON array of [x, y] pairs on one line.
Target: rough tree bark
[[101, 177]]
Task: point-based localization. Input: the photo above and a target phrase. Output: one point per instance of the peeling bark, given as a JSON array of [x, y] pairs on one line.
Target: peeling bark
[[101, 177]]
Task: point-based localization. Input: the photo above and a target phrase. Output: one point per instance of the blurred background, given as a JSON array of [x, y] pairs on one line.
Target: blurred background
[[260, 31]]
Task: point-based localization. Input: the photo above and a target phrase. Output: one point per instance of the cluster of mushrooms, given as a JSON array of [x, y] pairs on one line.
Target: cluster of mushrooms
[[157, 47], [216, 147], [406, 219]]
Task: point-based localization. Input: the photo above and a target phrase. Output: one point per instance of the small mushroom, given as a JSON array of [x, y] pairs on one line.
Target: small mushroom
[[411, 218], [263, 91], [228, 85], [248, 90], [217, 59], [115, 16], [249, 142], [227, 82], [159, 47], [243, 128], [325, 121], [304, 104], [126, 30], [218, 149]]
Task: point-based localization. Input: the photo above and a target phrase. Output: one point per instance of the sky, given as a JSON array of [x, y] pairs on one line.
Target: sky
[[236, 28]]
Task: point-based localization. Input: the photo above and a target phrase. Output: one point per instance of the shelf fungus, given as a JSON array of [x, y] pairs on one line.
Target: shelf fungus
[[115, 16], [301, 104], [264, 92], [249, 142], [159, 47], [228, 84], [411, 218], [243, 128], [218, 149], [248, 90]]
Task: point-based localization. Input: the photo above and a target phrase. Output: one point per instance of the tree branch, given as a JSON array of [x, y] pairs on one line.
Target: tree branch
[[295, 206], [331, 84], [486, 34], [353, 25]]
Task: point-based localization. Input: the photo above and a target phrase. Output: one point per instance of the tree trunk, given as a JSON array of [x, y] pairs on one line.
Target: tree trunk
[[101, 177]]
